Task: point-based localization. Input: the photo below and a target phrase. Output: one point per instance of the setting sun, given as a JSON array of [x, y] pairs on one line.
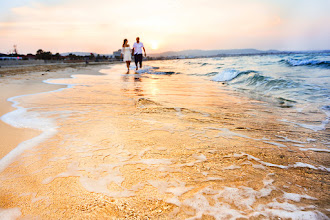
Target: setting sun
[[154, 45]]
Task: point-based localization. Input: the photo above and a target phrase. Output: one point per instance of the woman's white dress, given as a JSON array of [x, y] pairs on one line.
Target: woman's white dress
[[126, 51]]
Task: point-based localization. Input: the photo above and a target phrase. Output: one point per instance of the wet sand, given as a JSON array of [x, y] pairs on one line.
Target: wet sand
[[138, 147], [24, 80]]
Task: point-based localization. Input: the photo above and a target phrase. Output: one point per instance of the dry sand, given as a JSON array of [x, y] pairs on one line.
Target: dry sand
[[133, 147]]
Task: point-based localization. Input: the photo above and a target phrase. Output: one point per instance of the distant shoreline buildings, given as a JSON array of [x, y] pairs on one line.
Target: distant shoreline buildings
[[116, 56]]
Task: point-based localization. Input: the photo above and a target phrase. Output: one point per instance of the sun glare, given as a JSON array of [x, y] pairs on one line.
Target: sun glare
[[154, 45]]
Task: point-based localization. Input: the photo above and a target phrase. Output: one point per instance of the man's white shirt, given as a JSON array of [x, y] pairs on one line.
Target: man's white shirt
[[138, 48]]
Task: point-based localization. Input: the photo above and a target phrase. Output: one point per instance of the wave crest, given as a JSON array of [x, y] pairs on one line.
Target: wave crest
[[306, 62], [230, 74]]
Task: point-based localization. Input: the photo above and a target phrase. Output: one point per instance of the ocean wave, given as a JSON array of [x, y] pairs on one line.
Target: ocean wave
[[151, 70], [229, 74], [279, 91], [266, 84], [306, 62]]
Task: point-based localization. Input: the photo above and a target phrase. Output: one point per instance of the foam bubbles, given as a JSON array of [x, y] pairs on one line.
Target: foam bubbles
[[296, 197], [232, 167], [245, 202], [177, 188], [315, 128], [10, 214], [275, 144]]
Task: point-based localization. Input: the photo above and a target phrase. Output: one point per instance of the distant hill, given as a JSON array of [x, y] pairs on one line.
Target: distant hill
[[193, 53]]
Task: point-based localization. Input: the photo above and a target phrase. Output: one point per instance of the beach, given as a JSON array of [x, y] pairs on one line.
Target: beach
[[96, 143], [24, 80]]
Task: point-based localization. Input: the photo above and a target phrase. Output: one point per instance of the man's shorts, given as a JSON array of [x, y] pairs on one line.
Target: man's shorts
[[138, 58]]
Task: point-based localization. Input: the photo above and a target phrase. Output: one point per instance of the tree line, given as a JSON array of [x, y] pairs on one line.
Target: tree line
[[47, 55]]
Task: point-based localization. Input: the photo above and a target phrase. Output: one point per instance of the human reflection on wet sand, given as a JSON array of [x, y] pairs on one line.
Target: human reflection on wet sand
[[134, 85]]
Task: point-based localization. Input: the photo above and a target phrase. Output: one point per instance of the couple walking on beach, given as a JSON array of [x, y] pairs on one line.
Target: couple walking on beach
[[136, 52]]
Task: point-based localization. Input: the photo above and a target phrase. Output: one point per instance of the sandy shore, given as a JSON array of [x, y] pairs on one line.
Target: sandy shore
[[143, 147], [24, 80]]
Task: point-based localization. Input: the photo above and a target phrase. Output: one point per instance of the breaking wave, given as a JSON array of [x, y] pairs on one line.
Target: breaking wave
[[306, 62], [229, 74]]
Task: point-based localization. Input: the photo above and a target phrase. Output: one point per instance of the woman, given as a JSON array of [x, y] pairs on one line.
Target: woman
[[126, 53]]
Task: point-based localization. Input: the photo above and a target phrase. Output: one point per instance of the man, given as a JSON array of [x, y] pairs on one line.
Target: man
[[137, 52]]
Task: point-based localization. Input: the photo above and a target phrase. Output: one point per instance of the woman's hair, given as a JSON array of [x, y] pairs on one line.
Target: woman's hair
[[125, 40]]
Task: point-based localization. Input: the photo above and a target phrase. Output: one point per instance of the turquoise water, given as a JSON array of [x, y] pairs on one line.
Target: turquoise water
[[292, 81], [284, 80]]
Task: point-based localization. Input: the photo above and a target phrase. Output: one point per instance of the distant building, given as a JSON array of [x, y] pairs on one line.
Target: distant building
[[10, 58], [116, 54]]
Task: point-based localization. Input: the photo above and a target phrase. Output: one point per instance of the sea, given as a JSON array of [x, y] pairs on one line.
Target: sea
[[288, 81], [298, 81]]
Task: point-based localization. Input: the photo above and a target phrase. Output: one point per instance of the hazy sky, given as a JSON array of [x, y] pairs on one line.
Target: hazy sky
[[163, 25]]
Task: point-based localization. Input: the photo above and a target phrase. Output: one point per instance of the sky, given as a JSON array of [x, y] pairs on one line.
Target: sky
[[163, 25]]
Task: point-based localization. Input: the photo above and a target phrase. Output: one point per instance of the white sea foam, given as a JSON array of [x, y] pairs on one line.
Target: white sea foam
[[211, 178], [320, 127], [174, 200], [200, 157], [303, 62], [10, 214], [287, 211], [232, 167], [177, 188], [317, 150], [285, 139], [202, 206], [274, 143], [296, 165], [155, 161], [233, 203], [160, 185], [310, 139], [26, 118], [296, 197], [258, 166], [141, 154], [21, 118], [72, 171], [243, 198], [178, 191], [145, 69], [225, 132], [300, 164], [35, 199], [226, 75], [97, 183]]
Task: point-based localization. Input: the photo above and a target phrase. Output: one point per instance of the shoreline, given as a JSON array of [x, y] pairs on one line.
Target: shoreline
[[46, 67], [17, 81]]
